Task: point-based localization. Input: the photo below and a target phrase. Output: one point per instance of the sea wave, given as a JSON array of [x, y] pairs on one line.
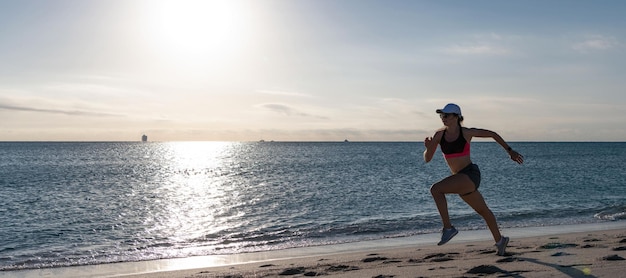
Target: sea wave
[[612, 213]]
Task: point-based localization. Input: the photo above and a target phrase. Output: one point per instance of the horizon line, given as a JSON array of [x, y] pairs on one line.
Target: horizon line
[[290, 141]]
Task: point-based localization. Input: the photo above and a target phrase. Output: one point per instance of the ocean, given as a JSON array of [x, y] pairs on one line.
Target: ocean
[[71, 204]]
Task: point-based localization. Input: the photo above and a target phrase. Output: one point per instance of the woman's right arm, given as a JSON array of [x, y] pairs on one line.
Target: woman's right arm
[[431, 146]]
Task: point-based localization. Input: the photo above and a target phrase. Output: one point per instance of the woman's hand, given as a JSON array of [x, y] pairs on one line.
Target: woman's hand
[[430, 149], [428, 141], [515, 156]]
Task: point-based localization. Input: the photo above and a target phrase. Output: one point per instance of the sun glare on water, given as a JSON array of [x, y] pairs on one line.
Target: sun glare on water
[[194, 192]]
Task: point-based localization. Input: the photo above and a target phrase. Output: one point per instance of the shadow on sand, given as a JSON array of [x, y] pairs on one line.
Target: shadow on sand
[[568, 270]]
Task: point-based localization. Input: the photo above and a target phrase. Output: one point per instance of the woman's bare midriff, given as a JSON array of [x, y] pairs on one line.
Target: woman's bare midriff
[[457, 164]]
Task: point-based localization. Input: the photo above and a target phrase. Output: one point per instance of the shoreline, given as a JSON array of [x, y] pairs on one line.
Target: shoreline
[[251, 264]]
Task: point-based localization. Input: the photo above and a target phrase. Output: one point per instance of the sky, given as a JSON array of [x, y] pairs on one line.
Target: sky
[[310, 70]]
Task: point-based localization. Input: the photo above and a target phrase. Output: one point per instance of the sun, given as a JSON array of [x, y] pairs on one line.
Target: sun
[[197, 31]]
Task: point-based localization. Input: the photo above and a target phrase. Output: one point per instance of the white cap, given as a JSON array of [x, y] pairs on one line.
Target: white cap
[[450, 108]]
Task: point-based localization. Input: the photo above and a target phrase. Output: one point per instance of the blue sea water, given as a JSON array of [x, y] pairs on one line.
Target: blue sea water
[[68, 204]]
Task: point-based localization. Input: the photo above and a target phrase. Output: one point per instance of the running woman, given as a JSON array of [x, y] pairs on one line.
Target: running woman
[[454, 140]]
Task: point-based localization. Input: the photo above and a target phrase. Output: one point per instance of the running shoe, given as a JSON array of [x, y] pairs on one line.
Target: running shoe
[[447, 235], [502, 246]]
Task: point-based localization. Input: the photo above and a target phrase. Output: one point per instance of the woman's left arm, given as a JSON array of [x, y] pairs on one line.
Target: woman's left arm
[[484, 133]]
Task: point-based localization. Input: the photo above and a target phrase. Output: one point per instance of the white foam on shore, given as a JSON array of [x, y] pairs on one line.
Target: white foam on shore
[[129, 268]]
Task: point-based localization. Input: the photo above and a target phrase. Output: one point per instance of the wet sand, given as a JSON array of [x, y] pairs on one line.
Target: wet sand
[[581, 254]]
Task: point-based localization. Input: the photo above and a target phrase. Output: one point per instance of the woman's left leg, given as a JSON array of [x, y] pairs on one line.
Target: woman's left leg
[[477, 202]]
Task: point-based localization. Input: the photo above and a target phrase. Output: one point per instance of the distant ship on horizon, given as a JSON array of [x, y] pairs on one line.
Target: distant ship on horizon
[[144, 138]]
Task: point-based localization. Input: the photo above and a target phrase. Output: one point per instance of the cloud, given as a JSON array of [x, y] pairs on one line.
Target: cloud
[[283, 93], [396, 109], [56, 111], [476, 49], [91, 91], [287, 110], [595, 43], [339, 134], [485, 44]]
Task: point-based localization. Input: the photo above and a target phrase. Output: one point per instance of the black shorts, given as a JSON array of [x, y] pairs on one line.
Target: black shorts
[[473, 173]]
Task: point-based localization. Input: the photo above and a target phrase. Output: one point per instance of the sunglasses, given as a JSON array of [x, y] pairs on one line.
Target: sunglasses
[[446, 115]]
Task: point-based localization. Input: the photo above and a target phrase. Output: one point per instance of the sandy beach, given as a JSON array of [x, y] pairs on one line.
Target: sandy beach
[[584, 250], [580, 254]]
